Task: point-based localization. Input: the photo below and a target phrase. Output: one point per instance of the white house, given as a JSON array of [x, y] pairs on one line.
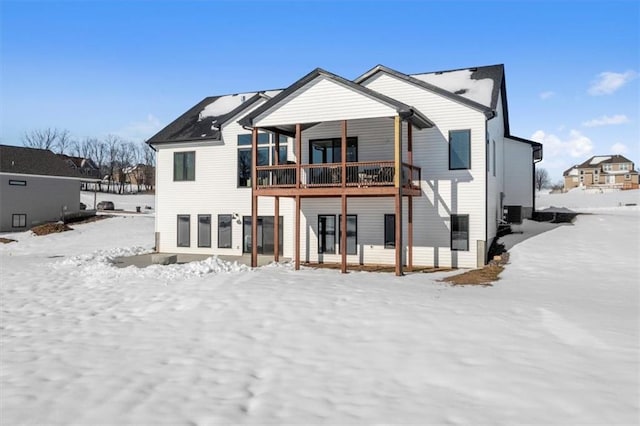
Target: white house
[[36, 186], [417, 168]]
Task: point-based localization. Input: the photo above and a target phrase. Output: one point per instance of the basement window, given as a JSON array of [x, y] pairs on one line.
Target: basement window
[[19, 220], [459, 232]]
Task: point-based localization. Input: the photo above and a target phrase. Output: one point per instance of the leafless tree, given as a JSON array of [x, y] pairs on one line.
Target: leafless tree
[[542, 179], [41, 138], [112, 148], [124, 158], [63, 142]]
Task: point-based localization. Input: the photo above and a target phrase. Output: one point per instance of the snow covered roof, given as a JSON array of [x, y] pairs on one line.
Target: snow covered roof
[[596, 160], [467, 83], [203, 121]]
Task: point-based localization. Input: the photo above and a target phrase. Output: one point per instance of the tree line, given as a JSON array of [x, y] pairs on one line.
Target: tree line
[[115, 158]]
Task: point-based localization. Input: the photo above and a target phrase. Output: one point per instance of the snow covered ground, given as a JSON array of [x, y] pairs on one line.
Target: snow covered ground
[[127, 202], [556, 340]]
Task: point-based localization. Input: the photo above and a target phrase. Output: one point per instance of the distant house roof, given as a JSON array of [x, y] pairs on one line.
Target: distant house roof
[[407, 112], [32, 161], [79, 162], [596, 160], [204, 120]]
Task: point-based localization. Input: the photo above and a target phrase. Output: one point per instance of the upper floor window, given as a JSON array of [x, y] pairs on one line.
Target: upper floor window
[[459, 149], [624, 166], [266, 154], [184, 166], [607, 167]]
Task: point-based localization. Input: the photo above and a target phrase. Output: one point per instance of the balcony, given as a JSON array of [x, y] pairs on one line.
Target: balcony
[[362, 178]]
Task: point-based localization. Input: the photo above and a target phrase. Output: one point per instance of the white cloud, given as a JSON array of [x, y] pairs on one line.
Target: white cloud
[[576, 145], [605, 120], [608, 82], [562, 152], [547, 95], [140, 130], [619, 148]]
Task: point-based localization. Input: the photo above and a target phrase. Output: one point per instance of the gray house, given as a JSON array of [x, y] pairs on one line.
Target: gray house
[[36, 186]]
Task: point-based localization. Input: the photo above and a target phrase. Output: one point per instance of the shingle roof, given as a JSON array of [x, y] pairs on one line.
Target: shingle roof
[[612, 159], [32, 161], [193, 125], [404, 110]]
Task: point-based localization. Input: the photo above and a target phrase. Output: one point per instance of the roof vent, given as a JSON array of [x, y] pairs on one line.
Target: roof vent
[[243, 98]]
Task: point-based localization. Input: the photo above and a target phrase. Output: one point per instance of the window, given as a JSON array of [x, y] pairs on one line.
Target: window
[[330, 150], [459, 149], [18, 182], [266, 155], [327, 234], [624, 166], [389, 231], [627, 177], [607, 167], [352, 233], [459, 232], [204, 230], [581, 172], [184, 230], [224, 230], [184, 166], [18, 220]]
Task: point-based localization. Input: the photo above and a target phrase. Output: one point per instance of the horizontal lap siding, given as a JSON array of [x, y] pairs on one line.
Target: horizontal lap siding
[[324, 100], [213, 192], [518, 174], [445, 191]]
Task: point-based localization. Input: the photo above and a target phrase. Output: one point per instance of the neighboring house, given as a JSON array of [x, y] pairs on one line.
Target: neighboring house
[[141, 175], [85, 166], [36, 186], [416, 168], [611, 171]]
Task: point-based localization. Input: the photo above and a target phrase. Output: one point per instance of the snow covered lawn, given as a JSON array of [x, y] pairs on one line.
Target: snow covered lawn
[[555, 341]]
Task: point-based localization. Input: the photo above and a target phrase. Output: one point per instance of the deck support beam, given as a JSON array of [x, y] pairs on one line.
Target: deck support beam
[[343, 235], [297, 234], [276, 206], [343, 217], [410, 201], [398, 187], [254, 198], [298, 153]]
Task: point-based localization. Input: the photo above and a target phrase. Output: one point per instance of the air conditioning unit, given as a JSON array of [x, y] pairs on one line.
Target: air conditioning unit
[[512, 214]]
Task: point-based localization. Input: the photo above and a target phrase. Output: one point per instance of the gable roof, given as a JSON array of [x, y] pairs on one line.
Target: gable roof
[[405, 111], [487, 110], [596, 160], [32, 161], [79, 162], [204, 120]]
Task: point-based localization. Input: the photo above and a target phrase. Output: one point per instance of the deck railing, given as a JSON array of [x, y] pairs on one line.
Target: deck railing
[[358, 174]]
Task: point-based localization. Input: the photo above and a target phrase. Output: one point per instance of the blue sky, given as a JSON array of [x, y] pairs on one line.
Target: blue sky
[[131, 67]]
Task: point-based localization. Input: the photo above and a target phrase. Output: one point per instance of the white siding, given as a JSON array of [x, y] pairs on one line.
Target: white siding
[[518, 174], [323, 99], [213, 192], [495, 174], [43, 199], [445, 191]]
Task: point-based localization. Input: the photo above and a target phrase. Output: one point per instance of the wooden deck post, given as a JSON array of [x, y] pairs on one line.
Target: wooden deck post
[[343, 217], [254, 198], [276, 205], [298, 153], [398, 185], [297, 232], [410, 199]]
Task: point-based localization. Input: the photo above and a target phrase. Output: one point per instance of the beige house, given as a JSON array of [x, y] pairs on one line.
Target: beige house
[[602, 171]]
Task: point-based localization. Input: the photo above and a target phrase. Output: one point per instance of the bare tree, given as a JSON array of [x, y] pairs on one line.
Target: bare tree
[[41, 138], [542, 179], [149, 160], [63, 142], [124, 158]]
